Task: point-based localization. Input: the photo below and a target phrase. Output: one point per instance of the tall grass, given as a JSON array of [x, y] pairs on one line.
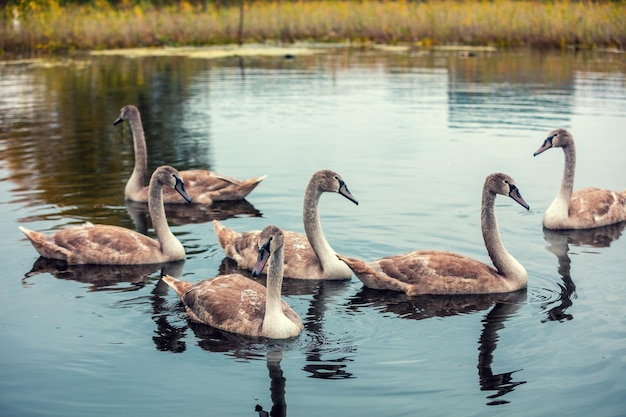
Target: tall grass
[[46, 26]]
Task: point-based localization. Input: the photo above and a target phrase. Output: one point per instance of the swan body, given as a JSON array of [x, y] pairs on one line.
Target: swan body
[[204, 187], [306, 257], [585, 208], [114, 245], [237, 304], [440, 272]]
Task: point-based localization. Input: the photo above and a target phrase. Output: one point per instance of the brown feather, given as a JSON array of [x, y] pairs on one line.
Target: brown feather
[[233, 303], [113, 245], [440, 272], [300, 258], [240, 305]]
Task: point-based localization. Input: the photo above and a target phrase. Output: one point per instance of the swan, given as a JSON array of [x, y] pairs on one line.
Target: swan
[[240, 305], [114, 245], [586, 208], [203, 186], [439, 272], [306, 257]]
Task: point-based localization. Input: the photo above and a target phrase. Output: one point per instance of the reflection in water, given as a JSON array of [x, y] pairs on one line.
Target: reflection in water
[[427, 306], [559, 245], [169, 338], [502, 383], [277, 386], [193, 213], [102, 277], [423, 307], [317, 366]]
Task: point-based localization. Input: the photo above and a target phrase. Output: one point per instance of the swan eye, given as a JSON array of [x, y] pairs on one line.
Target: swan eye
[[266, 246], [513, 190]]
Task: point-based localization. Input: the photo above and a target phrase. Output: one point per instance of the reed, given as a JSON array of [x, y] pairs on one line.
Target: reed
[[45, 26]]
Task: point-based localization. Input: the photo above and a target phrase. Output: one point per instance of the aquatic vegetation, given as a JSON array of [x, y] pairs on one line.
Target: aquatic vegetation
[[48, 26]]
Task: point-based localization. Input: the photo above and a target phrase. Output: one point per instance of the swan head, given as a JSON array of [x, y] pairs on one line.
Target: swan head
[[126, 113], [270, 240], [503, 184], [329, 181], [170, 176], [558, 138]]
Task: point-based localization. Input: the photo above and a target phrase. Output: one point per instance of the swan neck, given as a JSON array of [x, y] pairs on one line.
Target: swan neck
[[501, 258], [567, 182], [313, 228], [273, 301], [138, 177], [169, 244]]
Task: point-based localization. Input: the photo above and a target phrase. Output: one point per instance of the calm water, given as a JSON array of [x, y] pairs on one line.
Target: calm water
[[414, 136]]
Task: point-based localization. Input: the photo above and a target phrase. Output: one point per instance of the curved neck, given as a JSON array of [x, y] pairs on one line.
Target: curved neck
[[564, 195], [506, 264], [137, 179], [313, 229], [170, 246], [273, 301]]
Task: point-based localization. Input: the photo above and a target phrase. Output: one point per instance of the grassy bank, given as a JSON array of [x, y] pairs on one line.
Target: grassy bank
[[45, 26]]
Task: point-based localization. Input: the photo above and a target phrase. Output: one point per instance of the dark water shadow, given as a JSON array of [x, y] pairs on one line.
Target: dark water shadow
[[103, 277], [192, 213], [170, 336], [502, 307], [560, 241]]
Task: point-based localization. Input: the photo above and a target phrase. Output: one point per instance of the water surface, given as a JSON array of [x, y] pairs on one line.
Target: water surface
[[414, 135]]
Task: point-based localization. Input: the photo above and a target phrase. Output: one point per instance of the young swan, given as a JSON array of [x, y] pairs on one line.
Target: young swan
[[586, 208], [240, 305], [438, 272], [113, 245], [306, 257], [203, 186]]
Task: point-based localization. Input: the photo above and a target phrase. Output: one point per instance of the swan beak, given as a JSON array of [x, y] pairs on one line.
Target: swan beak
[[515, 195], [118, 121], [547, 144], [343, 190], [264, 255], [180, 187]]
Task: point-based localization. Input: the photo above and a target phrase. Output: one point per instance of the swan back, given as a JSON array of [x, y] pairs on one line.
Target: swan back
[[440, 272], [240, 305], [307, 256], [204, 186], [113, 245]]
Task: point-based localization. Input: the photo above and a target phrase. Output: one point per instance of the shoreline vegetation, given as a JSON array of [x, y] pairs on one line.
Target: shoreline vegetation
[[38, 27]]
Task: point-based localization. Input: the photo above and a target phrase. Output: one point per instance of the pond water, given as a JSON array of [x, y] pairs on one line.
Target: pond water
[[413, 135]]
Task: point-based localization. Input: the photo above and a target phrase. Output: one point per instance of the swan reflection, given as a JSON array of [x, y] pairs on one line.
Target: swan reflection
[[103, 277], [502, 383], [504, 307], [170, 338], [560, 241], [193, 213]]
